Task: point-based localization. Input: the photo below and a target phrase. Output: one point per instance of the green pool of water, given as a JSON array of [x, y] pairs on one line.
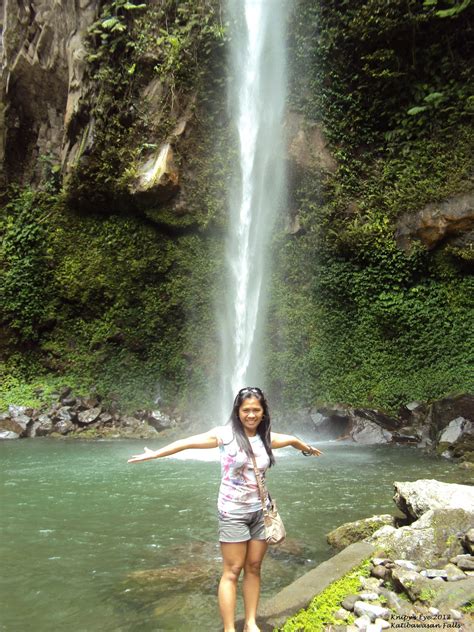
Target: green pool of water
[[90, 543]]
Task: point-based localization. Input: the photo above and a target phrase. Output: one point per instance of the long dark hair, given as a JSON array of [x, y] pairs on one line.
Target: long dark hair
[[264, 427]]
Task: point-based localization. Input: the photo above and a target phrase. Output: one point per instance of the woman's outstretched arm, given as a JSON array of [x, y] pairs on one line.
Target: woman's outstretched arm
[[283, 441], [204, 440]]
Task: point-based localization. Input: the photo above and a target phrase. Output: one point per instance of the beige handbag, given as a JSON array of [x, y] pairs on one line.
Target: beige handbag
[[274, 528]]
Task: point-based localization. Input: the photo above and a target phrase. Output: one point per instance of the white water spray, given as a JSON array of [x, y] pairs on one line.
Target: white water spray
[[257, 92]]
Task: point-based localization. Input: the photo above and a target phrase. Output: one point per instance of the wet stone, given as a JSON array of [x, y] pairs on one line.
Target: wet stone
[[453, 573]]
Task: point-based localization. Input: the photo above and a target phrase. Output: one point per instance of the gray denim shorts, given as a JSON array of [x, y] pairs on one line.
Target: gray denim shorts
[[241, 527]]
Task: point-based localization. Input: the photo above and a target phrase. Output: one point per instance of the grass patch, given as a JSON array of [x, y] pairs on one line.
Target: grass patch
[[320, 612]]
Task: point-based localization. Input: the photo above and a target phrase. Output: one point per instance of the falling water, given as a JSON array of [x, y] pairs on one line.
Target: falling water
[[257, 90]]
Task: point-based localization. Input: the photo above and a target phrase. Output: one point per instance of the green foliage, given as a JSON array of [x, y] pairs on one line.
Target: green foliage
[[320, 612], [353, 318], [24, 297]]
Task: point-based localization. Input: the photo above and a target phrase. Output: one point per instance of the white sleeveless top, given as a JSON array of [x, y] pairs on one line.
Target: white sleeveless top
[[238, 493]]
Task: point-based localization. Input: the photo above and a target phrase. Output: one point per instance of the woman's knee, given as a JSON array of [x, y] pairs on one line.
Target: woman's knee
[[253, 567], [232, 572]]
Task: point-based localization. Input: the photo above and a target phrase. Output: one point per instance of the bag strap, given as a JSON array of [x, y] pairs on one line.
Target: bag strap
[[261, 488]]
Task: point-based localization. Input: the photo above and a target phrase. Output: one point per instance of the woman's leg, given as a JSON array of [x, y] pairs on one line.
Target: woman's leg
[[234, 555], [256, 550]]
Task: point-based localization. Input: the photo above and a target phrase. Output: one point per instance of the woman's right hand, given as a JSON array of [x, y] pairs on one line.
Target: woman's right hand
[[145, 456]]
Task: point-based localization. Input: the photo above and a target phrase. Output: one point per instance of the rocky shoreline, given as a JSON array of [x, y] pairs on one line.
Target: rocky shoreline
[[420, 574], [85, 417], [444, 427]]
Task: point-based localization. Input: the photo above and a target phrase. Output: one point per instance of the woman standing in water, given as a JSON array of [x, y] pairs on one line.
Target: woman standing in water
[[241, 526]]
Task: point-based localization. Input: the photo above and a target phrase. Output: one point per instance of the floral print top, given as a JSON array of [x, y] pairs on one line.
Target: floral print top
[[238, 493]]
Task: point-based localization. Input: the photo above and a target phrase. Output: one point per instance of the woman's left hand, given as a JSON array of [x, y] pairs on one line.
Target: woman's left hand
[[311, 451]]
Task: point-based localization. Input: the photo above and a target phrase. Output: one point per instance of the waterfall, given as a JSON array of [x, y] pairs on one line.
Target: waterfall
[[257, 92]]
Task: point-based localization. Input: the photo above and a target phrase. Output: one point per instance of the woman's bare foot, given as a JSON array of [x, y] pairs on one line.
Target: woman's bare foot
[[251, 627]]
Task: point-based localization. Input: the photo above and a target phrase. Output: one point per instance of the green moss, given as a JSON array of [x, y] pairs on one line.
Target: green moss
[[320, 612], [427, 595]]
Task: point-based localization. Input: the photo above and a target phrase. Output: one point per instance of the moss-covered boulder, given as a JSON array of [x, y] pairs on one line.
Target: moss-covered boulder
[[431, 540], [358, 530]]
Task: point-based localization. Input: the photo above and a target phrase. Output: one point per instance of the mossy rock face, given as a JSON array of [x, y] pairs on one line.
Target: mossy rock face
[[355, 531], [431, 540]]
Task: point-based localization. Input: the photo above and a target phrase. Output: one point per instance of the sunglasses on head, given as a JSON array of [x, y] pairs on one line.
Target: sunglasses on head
[[251, 389]]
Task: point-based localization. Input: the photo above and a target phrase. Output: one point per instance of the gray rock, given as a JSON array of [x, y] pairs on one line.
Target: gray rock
[[362, 622], [89, 416], [454, 594], [8, 434], [420, 588], [105, 418], [466, 564], [457, 558], [368, 432], [69, 401], [453, 573], [374, 627], [453, 430], [159, 420], [380, 572], [384, 625], [455, 614], [468, 541], [372, 611], [380, 561], [348, 602], [416, 498], [469, 536], [130, 422], [370, 584], [395, 602], [45, 426], [408, 564], [431, 573], [431, 540], [342, 614], [63, 426], [16, 420], [368, 596], [64, 413]]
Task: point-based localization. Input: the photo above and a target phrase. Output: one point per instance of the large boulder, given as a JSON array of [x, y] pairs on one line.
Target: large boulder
[[432, 540], [17, 420], [368, 432], [416, 498], [358, 530], [457, 439]]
